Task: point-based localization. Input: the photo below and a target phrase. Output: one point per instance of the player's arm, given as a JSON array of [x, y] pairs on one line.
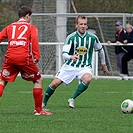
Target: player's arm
[[102, 58], [66, 56], [66, 49], [3, 34], [98, 47], [35, 44]]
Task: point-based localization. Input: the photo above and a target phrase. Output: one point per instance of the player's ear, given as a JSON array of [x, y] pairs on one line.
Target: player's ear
[[27, 15]]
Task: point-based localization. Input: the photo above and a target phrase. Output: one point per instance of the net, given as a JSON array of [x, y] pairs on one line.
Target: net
[[103, 25]]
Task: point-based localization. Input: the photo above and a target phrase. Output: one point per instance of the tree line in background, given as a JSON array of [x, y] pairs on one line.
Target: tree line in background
[[104, 6], [9, 8]]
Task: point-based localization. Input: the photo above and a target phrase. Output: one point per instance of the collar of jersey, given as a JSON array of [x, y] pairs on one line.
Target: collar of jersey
[[81, 35], [21, 19]]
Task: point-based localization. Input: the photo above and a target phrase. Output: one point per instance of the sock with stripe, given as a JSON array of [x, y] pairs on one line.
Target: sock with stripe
[[81, 88], [48, 93]]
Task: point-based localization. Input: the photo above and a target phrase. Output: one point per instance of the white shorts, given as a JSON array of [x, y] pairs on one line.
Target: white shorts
[[68, 73]]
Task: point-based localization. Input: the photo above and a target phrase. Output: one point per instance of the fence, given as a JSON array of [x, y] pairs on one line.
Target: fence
[[48, 66], [54, 27]]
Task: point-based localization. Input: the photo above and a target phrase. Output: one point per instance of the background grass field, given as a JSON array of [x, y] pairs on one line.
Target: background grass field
[[97, 110]]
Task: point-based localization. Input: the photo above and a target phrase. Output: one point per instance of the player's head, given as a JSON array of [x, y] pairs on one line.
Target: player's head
[[81, 24], [25, 12]]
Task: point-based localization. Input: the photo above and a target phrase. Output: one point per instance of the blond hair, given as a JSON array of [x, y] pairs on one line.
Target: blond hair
[[129, 25], [80, 16]]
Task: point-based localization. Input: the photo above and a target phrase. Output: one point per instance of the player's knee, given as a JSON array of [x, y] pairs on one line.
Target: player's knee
[[54, 84], [86, 78], [40, 81], [4, 83]]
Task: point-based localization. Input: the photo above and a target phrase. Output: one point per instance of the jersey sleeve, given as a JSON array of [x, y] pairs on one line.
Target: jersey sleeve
[[97, 45], [102, 56], [66, 48], [35, 43], [67, 45], [3, 34]]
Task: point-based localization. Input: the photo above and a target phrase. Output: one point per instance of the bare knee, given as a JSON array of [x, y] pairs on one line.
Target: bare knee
[[86, 78], [55, 83], [38, 83], [2, 82]]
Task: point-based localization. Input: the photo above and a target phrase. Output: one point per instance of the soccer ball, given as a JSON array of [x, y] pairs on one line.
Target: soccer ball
[[127, 106]]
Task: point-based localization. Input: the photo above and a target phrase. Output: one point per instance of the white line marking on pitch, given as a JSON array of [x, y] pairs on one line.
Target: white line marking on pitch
[[109, 92]]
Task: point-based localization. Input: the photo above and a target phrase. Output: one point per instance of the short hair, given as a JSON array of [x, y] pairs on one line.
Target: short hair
[[80, 16], [23, 11]]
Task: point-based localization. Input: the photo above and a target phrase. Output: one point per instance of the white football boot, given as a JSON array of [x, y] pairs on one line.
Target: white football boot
[[71, 103]]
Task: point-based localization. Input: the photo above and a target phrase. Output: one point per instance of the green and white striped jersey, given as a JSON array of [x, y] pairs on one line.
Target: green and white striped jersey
[[83, 45]]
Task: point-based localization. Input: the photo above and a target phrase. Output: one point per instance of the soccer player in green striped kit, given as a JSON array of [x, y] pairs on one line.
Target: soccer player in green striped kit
[[77, 54]]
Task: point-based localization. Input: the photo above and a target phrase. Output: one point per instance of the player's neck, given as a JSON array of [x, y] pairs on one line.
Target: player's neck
[[22, 19], [82, 35]]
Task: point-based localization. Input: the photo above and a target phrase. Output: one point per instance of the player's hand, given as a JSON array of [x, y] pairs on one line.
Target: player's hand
[[74, 57], [104, 68]]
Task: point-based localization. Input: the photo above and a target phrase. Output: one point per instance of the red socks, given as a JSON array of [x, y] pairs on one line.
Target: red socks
[[1, 89], [38, 96]]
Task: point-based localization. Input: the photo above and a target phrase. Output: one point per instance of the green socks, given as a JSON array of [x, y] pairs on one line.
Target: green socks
[[48, 93], [81, 88]]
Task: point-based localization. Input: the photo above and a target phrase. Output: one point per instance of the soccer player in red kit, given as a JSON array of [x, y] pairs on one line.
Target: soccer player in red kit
[[22, 55]]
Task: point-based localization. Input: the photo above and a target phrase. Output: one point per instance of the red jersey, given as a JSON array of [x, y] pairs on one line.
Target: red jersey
[[22, 42]]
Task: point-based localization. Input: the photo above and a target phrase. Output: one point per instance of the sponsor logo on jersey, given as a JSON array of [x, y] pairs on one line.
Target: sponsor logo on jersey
[[18, 43], [81, 50], [5, 73], [38, 73]]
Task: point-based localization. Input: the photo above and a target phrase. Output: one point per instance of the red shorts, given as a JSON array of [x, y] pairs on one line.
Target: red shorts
[[28, 72]]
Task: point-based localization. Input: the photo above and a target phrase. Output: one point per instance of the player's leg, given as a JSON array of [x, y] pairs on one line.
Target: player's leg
[[50, 90], [63, 76], [38, 96], [83, 85], [31, 73], [2, 86], [85, 80], [8, 74]]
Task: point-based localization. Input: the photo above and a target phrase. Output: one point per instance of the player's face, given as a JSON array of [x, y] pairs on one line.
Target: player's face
[[81, 25]]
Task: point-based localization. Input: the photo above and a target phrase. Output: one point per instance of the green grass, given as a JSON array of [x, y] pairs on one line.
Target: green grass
[[97, 109]]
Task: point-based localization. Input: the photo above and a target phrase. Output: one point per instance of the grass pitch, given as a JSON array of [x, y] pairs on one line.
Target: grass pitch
[[97, 110]]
